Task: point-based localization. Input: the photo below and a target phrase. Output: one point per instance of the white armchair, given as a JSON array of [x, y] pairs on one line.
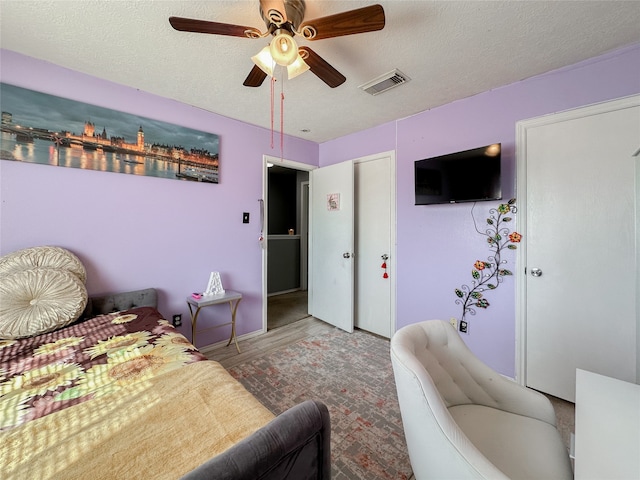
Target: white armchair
[[463, 420]]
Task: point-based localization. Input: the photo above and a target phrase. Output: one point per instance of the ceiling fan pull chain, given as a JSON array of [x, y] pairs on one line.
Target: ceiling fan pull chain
[[273, 80], [282, 122]]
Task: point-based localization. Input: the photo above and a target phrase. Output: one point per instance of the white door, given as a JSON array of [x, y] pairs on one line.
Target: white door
[[580, 284], [373, 194], [331, 246]]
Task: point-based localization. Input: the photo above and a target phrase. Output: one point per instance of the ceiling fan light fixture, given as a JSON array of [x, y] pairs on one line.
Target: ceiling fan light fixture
[[297, 68], [284, 50], [264, 60]]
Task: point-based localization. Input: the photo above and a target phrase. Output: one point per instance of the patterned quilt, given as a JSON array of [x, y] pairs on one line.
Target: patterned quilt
[[90, 359]]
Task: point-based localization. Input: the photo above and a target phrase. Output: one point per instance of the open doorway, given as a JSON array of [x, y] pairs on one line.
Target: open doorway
[[287, 223], [374, 182]]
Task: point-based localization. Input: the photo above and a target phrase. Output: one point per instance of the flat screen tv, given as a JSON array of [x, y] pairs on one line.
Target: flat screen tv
[[468, 176]]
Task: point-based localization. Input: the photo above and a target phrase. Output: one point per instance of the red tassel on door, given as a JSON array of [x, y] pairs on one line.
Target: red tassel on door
[[384, 275], [384, 264]]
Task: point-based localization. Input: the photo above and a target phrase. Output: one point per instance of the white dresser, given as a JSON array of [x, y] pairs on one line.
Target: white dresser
[[607, 438]]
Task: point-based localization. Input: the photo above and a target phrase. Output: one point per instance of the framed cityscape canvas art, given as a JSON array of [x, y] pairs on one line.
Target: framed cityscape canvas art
[[46, 129]]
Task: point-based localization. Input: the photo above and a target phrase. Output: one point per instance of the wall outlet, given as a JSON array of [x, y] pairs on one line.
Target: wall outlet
[[177, 320], [454, 322], [245, 217], [464, 327]]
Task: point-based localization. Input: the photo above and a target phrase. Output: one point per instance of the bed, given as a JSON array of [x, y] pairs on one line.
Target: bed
[[118, 392]]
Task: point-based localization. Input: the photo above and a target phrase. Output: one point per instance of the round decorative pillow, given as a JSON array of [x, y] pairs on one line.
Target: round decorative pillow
[[39, 300], [46, 256]]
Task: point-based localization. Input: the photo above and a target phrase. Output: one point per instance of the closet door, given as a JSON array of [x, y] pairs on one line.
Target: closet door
[[374, 220], [580, 234]]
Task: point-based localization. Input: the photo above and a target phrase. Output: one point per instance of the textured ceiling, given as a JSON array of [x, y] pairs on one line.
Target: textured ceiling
[[449, 49]]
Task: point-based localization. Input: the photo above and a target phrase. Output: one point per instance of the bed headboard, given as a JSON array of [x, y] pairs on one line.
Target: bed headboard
[[121, 301]]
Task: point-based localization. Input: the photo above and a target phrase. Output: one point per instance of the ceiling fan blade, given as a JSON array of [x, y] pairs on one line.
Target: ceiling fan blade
[[274, 5], [216, 28], [361, 20], [255, 78], [321, 68]]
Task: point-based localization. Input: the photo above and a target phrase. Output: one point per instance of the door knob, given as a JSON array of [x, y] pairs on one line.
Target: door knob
[[536, 272], [346, 255]]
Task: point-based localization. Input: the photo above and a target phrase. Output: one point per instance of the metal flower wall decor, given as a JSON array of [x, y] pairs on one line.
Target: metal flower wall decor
[[488, 274]]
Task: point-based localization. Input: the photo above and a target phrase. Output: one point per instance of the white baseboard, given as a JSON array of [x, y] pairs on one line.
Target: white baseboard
[[223, 343]]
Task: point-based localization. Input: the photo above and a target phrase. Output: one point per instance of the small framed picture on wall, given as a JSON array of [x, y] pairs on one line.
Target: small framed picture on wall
[[333, 201]]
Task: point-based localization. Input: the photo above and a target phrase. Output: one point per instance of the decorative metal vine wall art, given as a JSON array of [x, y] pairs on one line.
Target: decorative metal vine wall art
[[488, 274]]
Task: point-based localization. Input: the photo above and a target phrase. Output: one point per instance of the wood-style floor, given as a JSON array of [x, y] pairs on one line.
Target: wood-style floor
[[286, 308], [257, 346]]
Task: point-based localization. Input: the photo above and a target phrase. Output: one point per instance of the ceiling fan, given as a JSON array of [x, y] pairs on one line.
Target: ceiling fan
[[284, 20]]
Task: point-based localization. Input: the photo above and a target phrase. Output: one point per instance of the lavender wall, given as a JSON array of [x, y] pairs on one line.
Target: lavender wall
[[437, 245], [134, 232]]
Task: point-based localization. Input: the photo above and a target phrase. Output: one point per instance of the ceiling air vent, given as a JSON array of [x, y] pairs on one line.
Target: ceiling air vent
[[385, 82]]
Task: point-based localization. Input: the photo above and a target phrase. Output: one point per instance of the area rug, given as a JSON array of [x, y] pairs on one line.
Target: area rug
[[352, 375]]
